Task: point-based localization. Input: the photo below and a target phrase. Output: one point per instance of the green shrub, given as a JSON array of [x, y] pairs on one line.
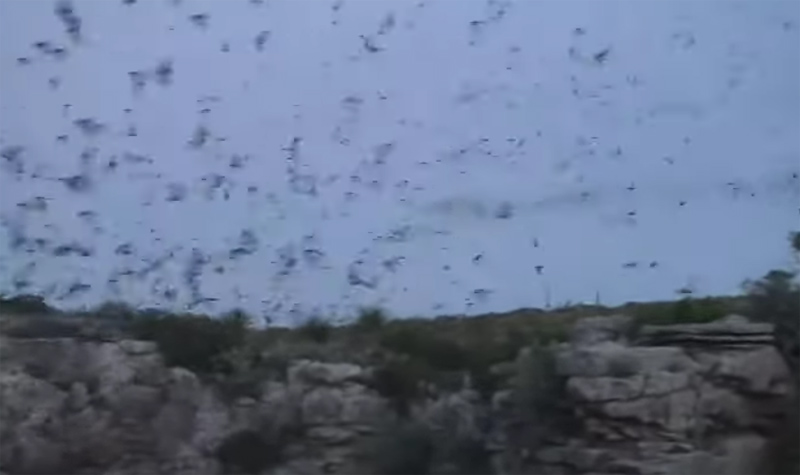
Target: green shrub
[[404, 448], [483, 379], [248, 369], [683, 311], [538, 394], [47, 327], [399, 381], [552, 334], [316, 330], [275, 366], [538, 382], [411, 448], [370, 320], [686, 310], [237, 315], [402, 340], [420, 343], [486, 352], [485, 382], [248, 451], [775, 298], [24, 305], [114, 311], [470, 456], [193, 342], [704, 310]]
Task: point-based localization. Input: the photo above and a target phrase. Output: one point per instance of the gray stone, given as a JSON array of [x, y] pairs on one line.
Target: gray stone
[[605, 389], [731, 331], [78, 396], [593, 330], [694, 402], [310, 373], [456, 415], [174, 424], [245, 402], [183, 387], [140, 402], [617, 360], [742, 454], [138, 347], [25, 397], [761, 371], [674, 412], [332, 435], [37, 455]]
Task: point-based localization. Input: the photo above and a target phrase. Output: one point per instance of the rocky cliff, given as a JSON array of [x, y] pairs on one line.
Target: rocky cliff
[[689, 399]]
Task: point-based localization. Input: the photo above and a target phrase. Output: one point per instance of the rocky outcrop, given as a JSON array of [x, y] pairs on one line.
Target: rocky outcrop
[[705, 400], [70, 406], [77, 406], [733, 331], [680, 399]]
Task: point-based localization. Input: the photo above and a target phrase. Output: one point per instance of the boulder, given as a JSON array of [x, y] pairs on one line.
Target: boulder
[[607, 389], [618, 360], [353, 405], [694, 398], [594, 330], [311, 373], [137, 347]]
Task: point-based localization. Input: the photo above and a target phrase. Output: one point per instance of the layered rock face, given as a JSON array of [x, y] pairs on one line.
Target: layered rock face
[[73, 406], [691, 399], [688, 399]]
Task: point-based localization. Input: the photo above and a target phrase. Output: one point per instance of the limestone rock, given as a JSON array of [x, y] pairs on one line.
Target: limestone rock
[[348, 405], [733, 330], [761, 371], [693, 399], [593, 330], [615, 359], [310, 373], [78, 397], [137, 347], [456, 415], [606, 389]]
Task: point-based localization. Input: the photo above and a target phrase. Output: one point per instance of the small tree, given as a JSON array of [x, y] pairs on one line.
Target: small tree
[[24, 305], [403, 448], [193, 342], [775, 298], [316, 330], [249, 451], [538, 395], [370, 320]]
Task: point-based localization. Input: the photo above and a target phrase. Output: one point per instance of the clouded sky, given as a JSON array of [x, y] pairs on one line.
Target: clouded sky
[[437, 156]]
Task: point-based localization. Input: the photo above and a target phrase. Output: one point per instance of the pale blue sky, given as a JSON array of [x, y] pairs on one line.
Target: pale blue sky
[[311, 156]]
